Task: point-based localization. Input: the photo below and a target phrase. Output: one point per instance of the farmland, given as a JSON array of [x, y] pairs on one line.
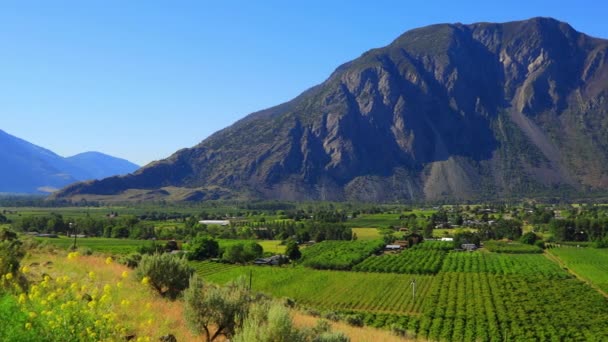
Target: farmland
[[328, 290], [474, 296], [339, 255], [589, 263]]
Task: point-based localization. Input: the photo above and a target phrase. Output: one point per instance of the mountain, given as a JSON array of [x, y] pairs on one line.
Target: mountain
[[27, 168], [99, 165], [448, 111]]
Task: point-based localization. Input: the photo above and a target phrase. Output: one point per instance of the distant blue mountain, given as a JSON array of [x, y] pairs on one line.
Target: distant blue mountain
[[98, 165], [27, 168]]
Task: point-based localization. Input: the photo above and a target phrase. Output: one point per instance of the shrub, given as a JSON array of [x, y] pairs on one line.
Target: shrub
[[130, 260], [166, 273]]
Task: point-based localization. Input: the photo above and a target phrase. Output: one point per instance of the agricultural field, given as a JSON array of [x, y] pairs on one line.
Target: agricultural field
[[102, 245], [510, 247], [271, 246], [497, 300], [589, 263], [339, 255], [413, 261], [367, 233], [374, 221], [328, 290]]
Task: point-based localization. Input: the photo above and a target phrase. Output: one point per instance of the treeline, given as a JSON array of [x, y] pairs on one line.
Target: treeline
[[118, 227]]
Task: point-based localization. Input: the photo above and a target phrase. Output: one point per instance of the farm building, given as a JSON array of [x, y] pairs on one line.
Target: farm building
[[392, 247], [216, 222], [468, 246], [271, 261], [447, 239]]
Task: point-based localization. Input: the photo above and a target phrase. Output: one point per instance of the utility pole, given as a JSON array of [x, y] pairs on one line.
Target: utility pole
[[74, 232], [413, 285], [250, 279]]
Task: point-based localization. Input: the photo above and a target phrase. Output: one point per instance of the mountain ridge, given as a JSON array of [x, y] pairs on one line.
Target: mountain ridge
[[446, 111], [29, 168]]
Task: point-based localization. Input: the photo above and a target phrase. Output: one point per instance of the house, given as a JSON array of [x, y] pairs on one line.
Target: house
[[447, 239], [216, 222], [392, 247], [271, 261], [468, 246]]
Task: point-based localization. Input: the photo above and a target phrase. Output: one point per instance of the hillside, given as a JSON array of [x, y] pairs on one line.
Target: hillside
[[448, 111], [28, 168]]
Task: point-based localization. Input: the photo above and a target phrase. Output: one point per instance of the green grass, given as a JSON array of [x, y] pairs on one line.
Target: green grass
[[374, 221], [272, 246], [589, 263], [102, 245], [327, 290], [366, 233], [510, 247]]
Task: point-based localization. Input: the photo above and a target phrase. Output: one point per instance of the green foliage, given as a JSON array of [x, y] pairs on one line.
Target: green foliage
[[339, 255], [11, 253], [130, 260], [242, 252], [13, 321], [413, 261], [510, 247], [167, 274], [435, 245], [203, 247], [529, 238], [216, 311], [293, 251]]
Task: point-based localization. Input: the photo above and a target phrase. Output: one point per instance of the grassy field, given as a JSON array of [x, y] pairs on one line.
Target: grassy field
[[327, 290], [374, 221], [102, 245], [367, 233], [589, 263], [126, 246]]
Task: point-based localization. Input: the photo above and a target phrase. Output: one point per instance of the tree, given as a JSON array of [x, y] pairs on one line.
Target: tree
[[530, 238], [216, 311], [292, 250], [203, 247], [166, 273]]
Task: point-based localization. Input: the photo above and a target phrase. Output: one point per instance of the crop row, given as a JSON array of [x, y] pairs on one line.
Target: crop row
[[511, 247], [486, 306], [335, 290], [339, 255], [414, 261], [524, 264]]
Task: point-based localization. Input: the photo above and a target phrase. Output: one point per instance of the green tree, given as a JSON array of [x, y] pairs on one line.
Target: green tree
[[216, 311], [293, 251], [166, 273], [530, 238], [203, 247]]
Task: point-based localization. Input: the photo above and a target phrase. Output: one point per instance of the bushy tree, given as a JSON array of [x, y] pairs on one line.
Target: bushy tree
[[241, 253], [168, 274], [292, 250], [216, 311], [530, 238], [203, 247]]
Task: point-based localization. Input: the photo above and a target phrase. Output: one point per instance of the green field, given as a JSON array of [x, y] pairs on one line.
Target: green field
[[374, 221], [126, 246], [476, 296], [102, 245], [367, 233], [589, 263], [328, 290]]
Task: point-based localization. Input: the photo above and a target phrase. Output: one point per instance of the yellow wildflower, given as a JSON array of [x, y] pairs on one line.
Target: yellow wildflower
[[32, 314], [8, 276], [107, 288], [28, 326], [22, 298], [125, 274], [145, 280], [25, 269], [109, 260], [92, 275]]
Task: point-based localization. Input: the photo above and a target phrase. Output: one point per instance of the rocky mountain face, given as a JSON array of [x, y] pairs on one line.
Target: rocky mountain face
[[447, 111], [27, 168]]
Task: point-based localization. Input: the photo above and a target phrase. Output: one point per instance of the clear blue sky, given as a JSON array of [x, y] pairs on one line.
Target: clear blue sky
[[142, 79]]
